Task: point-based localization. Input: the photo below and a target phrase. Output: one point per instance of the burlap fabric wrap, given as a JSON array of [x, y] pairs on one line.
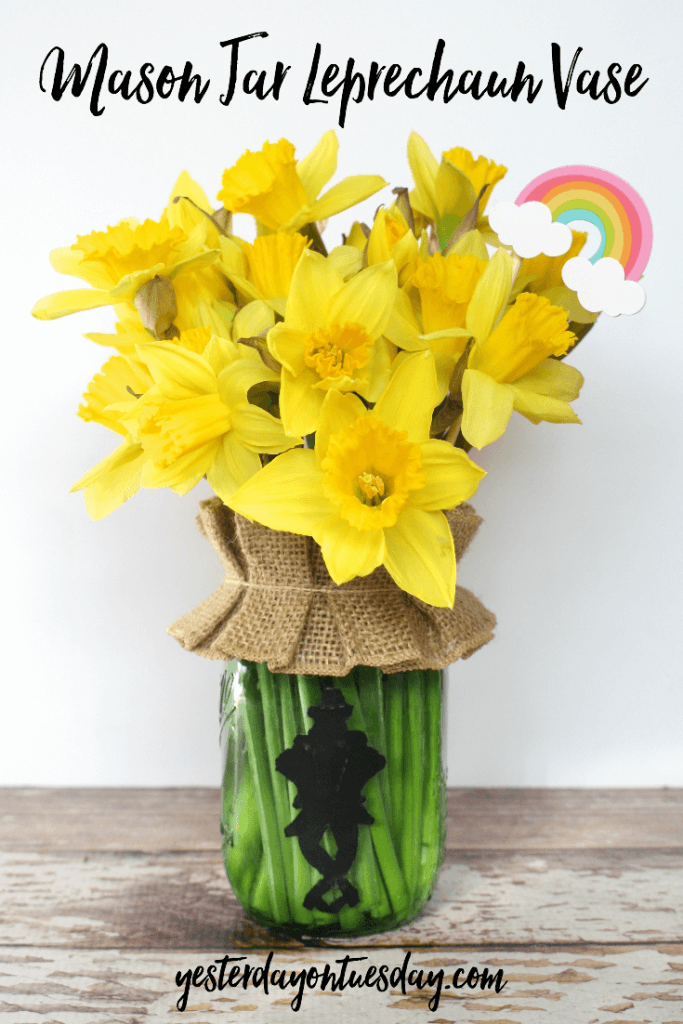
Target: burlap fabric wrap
[[279, 605]]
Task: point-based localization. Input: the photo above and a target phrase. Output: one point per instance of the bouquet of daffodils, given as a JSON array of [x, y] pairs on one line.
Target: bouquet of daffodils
[[333, 394]]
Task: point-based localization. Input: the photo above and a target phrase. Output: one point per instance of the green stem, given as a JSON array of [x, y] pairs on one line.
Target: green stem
[[271, 698], [395, 753], [413, 778], [386, 863], [301, 871], [259, 764], [434, 791]]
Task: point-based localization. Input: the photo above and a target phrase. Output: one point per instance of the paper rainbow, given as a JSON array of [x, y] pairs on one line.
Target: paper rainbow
[[577, 192]]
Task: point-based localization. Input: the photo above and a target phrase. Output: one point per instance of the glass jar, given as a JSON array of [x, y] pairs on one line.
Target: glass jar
[[340, 831]]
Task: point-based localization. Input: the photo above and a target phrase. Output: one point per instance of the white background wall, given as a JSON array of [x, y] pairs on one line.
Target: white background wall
[[580, 553]]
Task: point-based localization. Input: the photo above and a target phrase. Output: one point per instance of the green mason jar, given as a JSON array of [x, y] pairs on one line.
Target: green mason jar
[[333, 799]]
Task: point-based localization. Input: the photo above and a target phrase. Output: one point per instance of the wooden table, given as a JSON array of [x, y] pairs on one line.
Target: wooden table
[[576, 894]]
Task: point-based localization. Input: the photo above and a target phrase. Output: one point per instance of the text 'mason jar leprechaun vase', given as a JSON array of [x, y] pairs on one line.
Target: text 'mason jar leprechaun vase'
[[332, 711]]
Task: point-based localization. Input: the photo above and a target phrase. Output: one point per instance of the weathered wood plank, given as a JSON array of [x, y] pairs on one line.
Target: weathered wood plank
[[183, 900], [151, 820], [527, 819], [110, 819], [576, 985]]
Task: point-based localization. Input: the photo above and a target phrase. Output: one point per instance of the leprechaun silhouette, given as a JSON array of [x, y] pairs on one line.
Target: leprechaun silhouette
[[329, 766]]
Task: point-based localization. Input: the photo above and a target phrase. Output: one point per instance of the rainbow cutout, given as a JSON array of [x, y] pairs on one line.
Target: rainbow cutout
[[590, 194]]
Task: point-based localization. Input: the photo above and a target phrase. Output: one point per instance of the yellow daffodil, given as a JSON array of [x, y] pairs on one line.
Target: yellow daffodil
[[111, 395], [445, 191], [373, 490], [331, 338], [509, 366], [441, 287], [198, 420], [121, 261], [282, 193]]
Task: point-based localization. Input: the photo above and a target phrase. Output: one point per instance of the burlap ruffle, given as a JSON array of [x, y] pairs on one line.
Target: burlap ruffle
[[279, 605]]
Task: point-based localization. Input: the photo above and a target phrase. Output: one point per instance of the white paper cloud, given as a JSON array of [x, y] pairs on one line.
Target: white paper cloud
[[529, 229], [601, 288]]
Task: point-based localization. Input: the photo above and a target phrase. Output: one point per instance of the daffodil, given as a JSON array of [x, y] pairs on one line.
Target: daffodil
[[198, 420], [373, 490], [111, 396], [331, 338], [122, 260], [282, 193], [445, 191], [441, 288], [509, 366]]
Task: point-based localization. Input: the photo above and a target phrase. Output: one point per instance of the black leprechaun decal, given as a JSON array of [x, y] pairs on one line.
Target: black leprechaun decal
[[329, 766]]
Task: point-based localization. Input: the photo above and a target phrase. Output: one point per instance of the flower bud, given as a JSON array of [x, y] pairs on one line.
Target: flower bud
[[156, 304]]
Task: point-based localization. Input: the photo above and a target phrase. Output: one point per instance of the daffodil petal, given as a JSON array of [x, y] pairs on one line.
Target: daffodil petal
[[347, 259], [339, 412], [300, 402], [286, 494], [236, 379], [491, 292], [367, 299], [448, 332], [409, 401], [454, 195], [252, 319], [344, 194], [349, 552], [193, 464], [244, 287], [221, 353], [553, 378], [487, 408], [178, 370], [182, 214], [424, 167], [451, 477], [113, 480], [316, 169], [257, 430], [67, 261], [420, 556], [286, 344], [232, 466], [64, 303], [541, 407], [403, 329], [470, 244], [378, 371], [314, 282], [124, 343], [198, 262], [185, 486]]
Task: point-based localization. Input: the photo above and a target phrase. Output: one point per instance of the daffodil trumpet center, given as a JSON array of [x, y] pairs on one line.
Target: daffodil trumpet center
[[337, 352], [371, 488], [370, 471]]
